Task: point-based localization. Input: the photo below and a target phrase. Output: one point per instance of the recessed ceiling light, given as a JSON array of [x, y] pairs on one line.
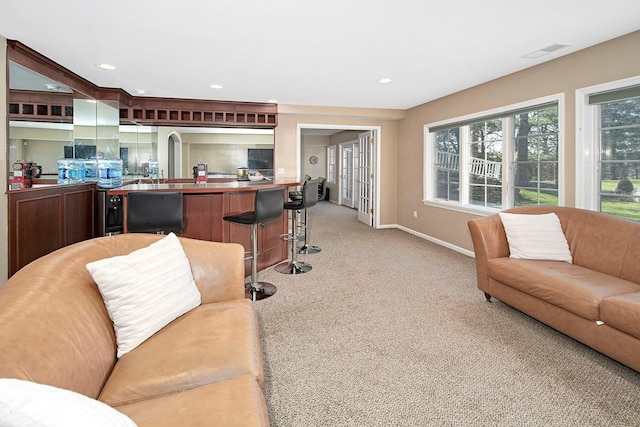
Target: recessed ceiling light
[[141, 91], [273, 101], [106, 66], [385, 81], [215, 86]]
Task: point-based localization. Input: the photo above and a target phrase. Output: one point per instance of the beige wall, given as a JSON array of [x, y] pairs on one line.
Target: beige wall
[[287, 155], [222, 152], [314, 145], [43, 146], [610, 61], [4, 174]]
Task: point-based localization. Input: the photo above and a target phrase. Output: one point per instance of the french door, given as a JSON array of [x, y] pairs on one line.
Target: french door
[[347, 173], [365, 177]]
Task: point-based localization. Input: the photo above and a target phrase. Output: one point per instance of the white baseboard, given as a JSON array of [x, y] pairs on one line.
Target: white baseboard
[[431, 239]]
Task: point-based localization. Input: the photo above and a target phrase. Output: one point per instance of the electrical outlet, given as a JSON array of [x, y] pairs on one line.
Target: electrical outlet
[[415, 214], [280, 171]]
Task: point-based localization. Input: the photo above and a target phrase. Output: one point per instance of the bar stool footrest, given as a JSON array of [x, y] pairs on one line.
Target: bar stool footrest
[[309, 249], [297, 267]]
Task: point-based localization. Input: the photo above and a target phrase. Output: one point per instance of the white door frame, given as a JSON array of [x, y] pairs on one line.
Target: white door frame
[[378, 144]]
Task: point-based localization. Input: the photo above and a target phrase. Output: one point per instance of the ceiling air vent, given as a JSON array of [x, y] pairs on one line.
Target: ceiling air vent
[[545, 51]]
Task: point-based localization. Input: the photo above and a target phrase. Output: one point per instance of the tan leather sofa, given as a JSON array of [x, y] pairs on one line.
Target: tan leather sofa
[[204, 368], [595, 300]]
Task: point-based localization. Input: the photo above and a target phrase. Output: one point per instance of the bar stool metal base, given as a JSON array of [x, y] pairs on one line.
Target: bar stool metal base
[[306, 248], [297, 267], [293, 266], [259, 291]]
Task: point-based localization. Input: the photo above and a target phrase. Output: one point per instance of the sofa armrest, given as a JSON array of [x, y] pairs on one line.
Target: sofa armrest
[[218, 269], [489, 241]]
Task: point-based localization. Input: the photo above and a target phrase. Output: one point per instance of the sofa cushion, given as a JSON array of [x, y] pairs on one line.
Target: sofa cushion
[[622, 312], [235, 402], [145, 290], [535, 237], [29, 404], [571, 287], [211, 343]]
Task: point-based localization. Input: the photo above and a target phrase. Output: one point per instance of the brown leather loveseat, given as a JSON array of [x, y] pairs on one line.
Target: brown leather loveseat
[[595, 299], [204, 368]]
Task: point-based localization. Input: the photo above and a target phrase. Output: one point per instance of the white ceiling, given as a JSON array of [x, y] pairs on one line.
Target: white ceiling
[[329, 52]]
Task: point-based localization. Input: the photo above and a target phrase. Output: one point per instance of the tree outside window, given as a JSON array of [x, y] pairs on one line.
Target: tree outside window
[[485, 163], [536, 157], [447, 164], [619, 134]]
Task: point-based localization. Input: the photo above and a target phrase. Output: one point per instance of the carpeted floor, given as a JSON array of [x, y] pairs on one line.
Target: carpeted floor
[[388, 329]]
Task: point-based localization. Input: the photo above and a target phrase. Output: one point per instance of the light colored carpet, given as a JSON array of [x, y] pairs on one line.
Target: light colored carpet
[[390, 330]]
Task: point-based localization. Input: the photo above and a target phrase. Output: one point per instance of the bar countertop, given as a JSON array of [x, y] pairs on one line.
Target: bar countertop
[[210, 187]]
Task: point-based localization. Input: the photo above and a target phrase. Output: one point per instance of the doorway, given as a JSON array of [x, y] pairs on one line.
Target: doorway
[[174, 156], [357, 150]]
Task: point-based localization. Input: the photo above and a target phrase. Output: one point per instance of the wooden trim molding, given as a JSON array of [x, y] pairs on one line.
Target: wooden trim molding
[[138, 109], [40, 106], [196, 112]]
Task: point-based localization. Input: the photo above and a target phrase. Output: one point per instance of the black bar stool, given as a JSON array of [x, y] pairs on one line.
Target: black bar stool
[[306, 248], [309, 198], [154, 212], [268, 204]]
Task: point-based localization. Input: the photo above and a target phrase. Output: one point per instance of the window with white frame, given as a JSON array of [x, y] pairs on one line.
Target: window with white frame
[[608, 157], [495, 160], [331, 164]]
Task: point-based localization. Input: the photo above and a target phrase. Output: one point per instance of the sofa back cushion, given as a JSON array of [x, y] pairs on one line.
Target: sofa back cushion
[[55, 328], [597, 241]]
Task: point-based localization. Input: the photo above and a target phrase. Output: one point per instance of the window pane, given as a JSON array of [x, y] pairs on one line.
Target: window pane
[[447, 185], [548, 177], [620, 158], [447, 164], [620, 113], [620, 189], [620, 144], [485, 163], [528, 196], [535, 168], [622, 206], [615, 171], [331, 164], [485, 196], [522, 147]]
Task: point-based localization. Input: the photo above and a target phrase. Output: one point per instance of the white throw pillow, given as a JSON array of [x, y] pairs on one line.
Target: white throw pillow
[[145, 290], [28, 404], [536, 237]]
